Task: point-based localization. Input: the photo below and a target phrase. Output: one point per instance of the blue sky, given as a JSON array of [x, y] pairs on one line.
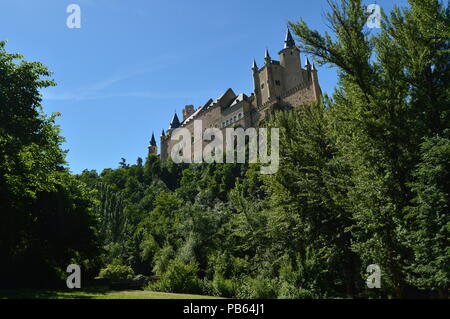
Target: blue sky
[[133, 63]]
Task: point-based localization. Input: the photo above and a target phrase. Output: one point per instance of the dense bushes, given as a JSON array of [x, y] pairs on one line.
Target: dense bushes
[[183, 278], [116, 271], [179, 277]]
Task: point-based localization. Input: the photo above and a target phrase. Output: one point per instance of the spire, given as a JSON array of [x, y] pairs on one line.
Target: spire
[[254, 67], [153, 141], [175, 122], [162, 133], [267, 57], [289, 41], [313, 67]]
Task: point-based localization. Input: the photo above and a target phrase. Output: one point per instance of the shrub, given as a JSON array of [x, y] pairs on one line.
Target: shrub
[[117, 271], [207, 287], [258, 288], [180, 278], [162, 260], [289, 291], [225, 287]]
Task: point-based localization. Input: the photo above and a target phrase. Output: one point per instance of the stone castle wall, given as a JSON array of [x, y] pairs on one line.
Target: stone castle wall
[[277, 85]]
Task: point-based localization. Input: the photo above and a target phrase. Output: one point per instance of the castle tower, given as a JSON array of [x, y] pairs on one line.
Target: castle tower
[[309, 71], [290, 54], [152, 148], [163, 145], [275, 78], [291, 63], [266, 79], [256, 83]]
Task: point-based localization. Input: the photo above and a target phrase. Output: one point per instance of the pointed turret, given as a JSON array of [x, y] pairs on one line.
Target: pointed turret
[[256, 83], [290, 54], [267, 55], [152, 140], [175, 122], [163, 133], [254, 67], [152, 148], [289, 41]]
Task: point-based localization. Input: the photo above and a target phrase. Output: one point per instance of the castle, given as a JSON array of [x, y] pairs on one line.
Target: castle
[[277, 85]]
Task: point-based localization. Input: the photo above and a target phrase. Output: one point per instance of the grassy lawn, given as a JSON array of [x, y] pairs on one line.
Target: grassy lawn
[[95, 294]]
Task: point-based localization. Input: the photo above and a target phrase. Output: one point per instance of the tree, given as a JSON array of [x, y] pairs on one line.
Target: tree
[[429, 220], [46, 219], [393, 91], [308, 214]]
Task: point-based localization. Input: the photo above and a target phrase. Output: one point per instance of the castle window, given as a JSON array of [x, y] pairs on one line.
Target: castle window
[[240, 115], [234, 118], [277, 82], [262, 86]]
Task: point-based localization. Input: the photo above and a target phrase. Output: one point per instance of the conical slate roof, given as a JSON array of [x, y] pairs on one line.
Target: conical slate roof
[[175, 122], [267, 55], [254, 65], [289, 41], [153, 141]]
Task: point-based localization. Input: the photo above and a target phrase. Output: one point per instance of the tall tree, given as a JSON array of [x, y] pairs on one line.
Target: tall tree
[[428, 233], [46, 217], [308, 213], [393, 90]]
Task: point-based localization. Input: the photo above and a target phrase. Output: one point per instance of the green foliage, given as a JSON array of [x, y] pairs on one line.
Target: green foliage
[[47, 219], [117, 271], [225, 287], [429, 219], [363, 179], [308, 215], [289, 291], [352, 188], [393, 92], [258, 288], [179, 277], [163, 259]]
